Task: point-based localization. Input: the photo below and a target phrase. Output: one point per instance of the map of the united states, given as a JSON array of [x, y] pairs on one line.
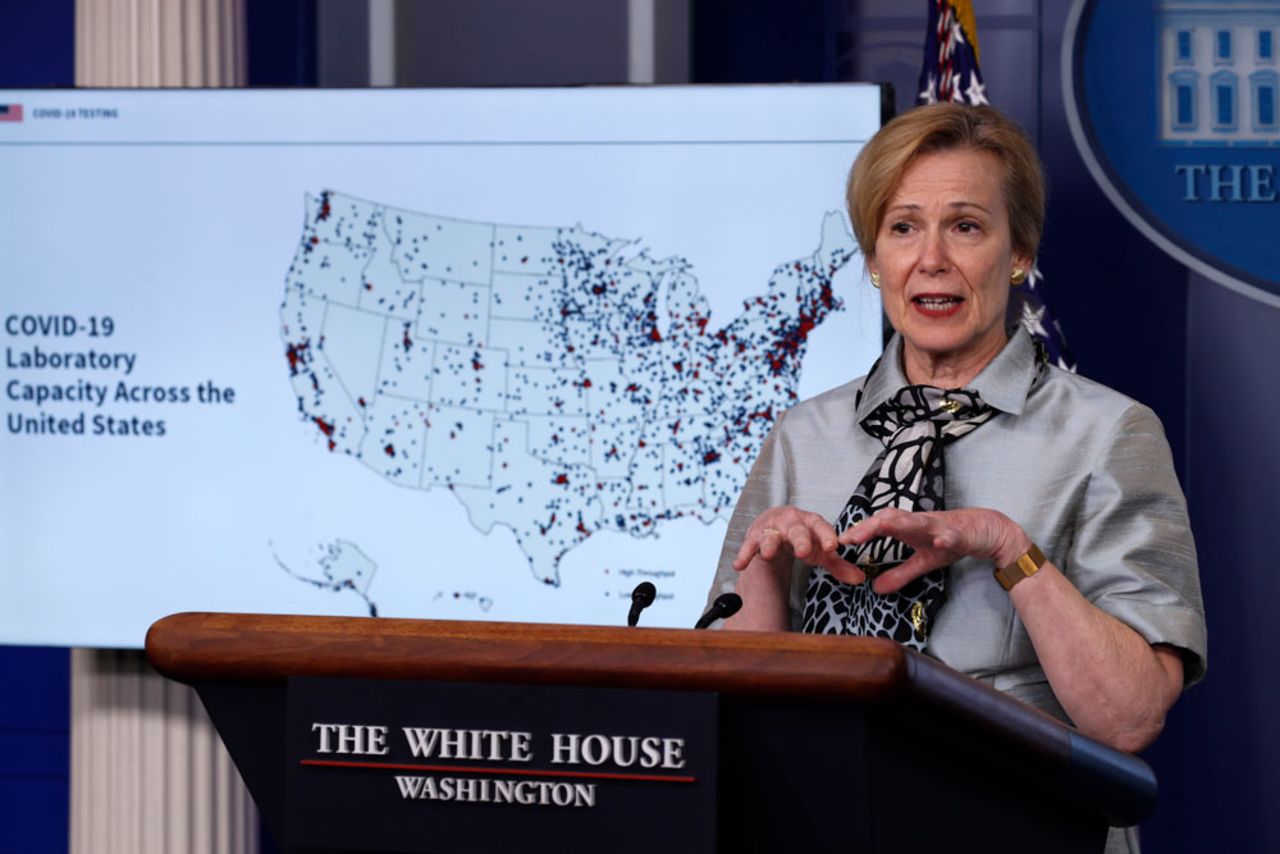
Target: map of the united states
[[560, 382]]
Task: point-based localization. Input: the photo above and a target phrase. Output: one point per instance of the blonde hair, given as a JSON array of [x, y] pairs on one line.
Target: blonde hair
[[947, 127]]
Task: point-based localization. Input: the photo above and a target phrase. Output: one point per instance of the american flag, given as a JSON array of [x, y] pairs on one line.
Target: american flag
[[10, 112], [950, 73]]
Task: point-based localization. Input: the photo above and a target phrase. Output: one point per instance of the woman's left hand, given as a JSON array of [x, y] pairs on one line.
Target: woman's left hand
[[939, 538], [1114, 685]]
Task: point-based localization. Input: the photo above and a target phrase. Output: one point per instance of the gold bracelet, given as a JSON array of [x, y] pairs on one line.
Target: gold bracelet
[[1024, 567]]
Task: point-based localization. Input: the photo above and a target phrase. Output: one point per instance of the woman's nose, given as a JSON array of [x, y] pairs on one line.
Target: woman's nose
[[933, 253]]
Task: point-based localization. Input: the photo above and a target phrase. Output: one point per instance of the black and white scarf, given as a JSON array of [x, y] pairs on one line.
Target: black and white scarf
[[915, 425]]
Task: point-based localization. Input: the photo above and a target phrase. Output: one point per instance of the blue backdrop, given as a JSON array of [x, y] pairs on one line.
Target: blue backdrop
[[35, 715]]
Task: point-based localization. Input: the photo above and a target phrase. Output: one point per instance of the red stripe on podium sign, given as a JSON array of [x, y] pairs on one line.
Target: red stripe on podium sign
[[522, 772]]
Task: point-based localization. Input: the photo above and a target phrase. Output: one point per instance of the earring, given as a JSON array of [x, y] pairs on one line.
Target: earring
[[875, 280], [1018, 276]]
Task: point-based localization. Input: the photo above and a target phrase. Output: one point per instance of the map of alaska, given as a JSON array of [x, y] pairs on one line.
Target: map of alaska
[[559, 382]]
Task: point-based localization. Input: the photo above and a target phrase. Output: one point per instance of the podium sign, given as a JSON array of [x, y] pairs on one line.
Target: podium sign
[[416, 766]]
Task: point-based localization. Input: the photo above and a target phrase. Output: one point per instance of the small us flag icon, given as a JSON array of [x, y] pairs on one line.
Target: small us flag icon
[[10, 112]]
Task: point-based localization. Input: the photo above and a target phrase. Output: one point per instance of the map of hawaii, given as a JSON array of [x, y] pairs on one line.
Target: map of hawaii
[[559, 382]]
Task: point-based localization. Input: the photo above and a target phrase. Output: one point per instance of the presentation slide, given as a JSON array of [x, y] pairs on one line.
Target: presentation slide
[[460, 354]]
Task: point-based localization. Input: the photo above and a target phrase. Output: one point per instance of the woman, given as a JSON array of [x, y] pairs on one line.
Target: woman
[[969, 457]]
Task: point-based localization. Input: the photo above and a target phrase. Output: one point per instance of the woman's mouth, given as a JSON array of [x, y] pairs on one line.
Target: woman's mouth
[[937, 305]]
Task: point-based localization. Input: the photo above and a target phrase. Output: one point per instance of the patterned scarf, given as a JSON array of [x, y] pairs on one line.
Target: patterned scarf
[[915, 425]]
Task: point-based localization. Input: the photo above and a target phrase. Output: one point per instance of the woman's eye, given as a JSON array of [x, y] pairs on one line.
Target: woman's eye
[[899, 228], [968, 227]]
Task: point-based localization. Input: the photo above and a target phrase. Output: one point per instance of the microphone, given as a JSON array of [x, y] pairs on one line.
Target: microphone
[[725, 606], [641, 598]]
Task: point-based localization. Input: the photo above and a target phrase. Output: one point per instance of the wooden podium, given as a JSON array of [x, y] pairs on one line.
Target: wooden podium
[[824, 743]]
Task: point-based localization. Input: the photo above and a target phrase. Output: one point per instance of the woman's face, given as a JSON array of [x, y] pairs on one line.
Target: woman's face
[[944, 255]]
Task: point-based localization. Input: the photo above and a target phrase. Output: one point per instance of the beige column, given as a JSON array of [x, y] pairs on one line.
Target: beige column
[[151, 43], [148, 771], [149, 774]]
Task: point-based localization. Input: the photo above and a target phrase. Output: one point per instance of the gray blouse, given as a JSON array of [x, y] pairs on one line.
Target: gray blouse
[[1084, 470]]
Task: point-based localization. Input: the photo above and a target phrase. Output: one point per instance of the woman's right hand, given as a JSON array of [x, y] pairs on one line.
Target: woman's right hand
[[781, 535]]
